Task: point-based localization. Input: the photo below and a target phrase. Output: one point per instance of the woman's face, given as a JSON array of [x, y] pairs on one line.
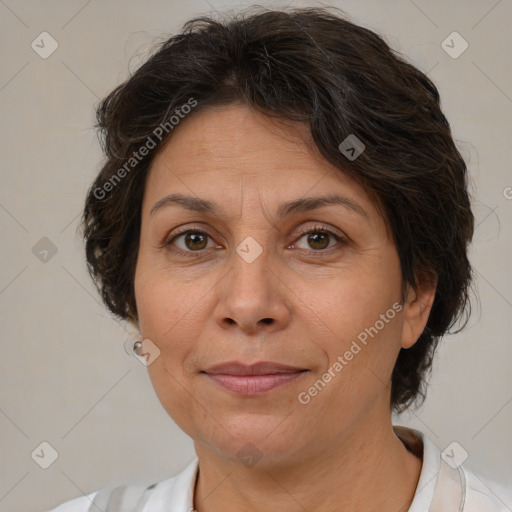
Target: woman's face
[[257, 282]]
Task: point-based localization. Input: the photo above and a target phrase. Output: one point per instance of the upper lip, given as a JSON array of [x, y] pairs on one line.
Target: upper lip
[[260, 368]]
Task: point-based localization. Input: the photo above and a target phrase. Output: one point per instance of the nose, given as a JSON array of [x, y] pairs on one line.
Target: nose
[[253, 298]]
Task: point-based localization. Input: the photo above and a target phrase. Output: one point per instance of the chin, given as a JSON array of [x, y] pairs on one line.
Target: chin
[[253, 440]]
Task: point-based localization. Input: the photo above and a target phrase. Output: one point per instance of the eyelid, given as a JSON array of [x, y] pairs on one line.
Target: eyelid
[[180, 230], [169, 239], [321, 227]]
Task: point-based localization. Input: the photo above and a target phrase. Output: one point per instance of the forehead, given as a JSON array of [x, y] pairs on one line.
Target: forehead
[[216, 151], [235, 132]]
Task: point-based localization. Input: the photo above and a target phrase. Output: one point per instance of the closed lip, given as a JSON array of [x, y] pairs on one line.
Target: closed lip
[[259, 368]]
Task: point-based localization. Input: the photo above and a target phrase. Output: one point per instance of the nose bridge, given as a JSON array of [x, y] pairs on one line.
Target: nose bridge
[[250, 261], [253, 235], [252, 296]]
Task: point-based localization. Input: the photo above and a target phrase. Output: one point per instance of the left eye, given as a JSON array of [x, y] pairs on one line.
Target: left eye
[[318, 239]]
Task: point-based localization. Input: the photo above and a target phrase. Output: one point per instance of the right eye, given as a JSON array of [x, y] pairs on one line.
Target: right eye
[[190, 241]]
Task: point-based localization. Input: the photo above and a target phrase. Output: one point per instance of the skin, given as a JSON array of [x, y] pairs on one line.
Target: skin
[[339, 451]]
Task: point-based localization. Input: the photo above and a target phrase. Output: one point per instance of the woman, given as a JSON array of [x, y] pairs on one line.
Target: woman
[[284, 216]]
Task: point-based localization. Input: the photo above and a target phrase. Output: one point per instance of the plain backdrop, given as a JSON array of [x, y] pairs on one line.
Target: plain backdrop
[[66, 378]]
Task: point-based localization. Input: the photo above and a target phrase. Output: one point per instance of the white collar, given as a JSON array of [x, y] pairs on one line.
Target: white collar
[[430, 468]]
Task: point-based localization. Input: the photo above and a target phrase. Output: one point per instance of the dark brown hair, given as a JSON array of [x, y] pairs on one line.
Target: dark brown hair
[[340, 79]]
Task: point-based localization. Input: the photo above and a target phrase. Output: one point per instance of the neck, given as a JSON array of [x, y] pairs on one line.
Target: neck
[[366, 469]]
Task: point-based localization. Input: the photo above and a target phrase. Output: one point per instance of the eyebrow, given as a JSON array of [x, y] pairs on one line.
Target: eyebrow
[[295, 206]]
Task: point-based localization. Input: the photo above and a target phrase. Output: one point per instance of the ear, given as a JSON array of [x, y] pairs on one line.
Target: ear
[[417, 307]]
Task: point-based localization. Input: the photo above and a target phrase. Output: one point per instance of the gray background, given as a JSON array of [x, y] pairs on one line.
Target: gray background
[[65, 375]]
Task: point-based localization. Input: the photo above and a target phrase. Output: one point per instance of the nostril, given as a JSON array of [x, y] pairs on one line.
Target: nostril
[[267, 320]]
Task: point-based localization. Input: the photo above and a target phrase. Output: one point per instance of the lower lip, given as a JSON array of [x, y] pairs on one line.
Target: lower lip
[[253, 384]]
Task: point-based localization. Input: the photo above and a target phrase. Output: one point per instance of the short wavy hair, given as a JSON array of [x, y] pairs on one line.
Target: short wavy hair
[[338, 78]]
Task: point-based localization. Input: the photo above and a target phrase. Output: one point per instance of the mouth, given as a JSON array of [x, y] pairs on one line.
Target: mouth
[[253, 379]]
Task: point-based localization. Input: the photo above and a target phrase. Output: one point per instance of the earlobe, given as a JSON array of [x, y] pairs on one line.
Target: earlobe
[[417, 307]]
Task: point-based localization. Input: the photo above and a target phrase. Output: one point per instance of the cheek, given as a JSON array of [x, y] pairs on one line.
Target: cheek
[[173, 314], [348, 304], [161, 302], [166, 317], [361, 322]]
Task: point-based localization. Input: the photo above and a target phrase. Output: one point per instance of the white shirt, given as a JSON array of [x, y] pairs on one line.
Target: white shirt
[[442, 486]]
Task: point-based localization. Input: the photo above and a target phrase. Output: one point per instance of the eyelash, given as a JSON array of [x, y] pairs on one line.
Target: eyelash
[[341, 240]]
